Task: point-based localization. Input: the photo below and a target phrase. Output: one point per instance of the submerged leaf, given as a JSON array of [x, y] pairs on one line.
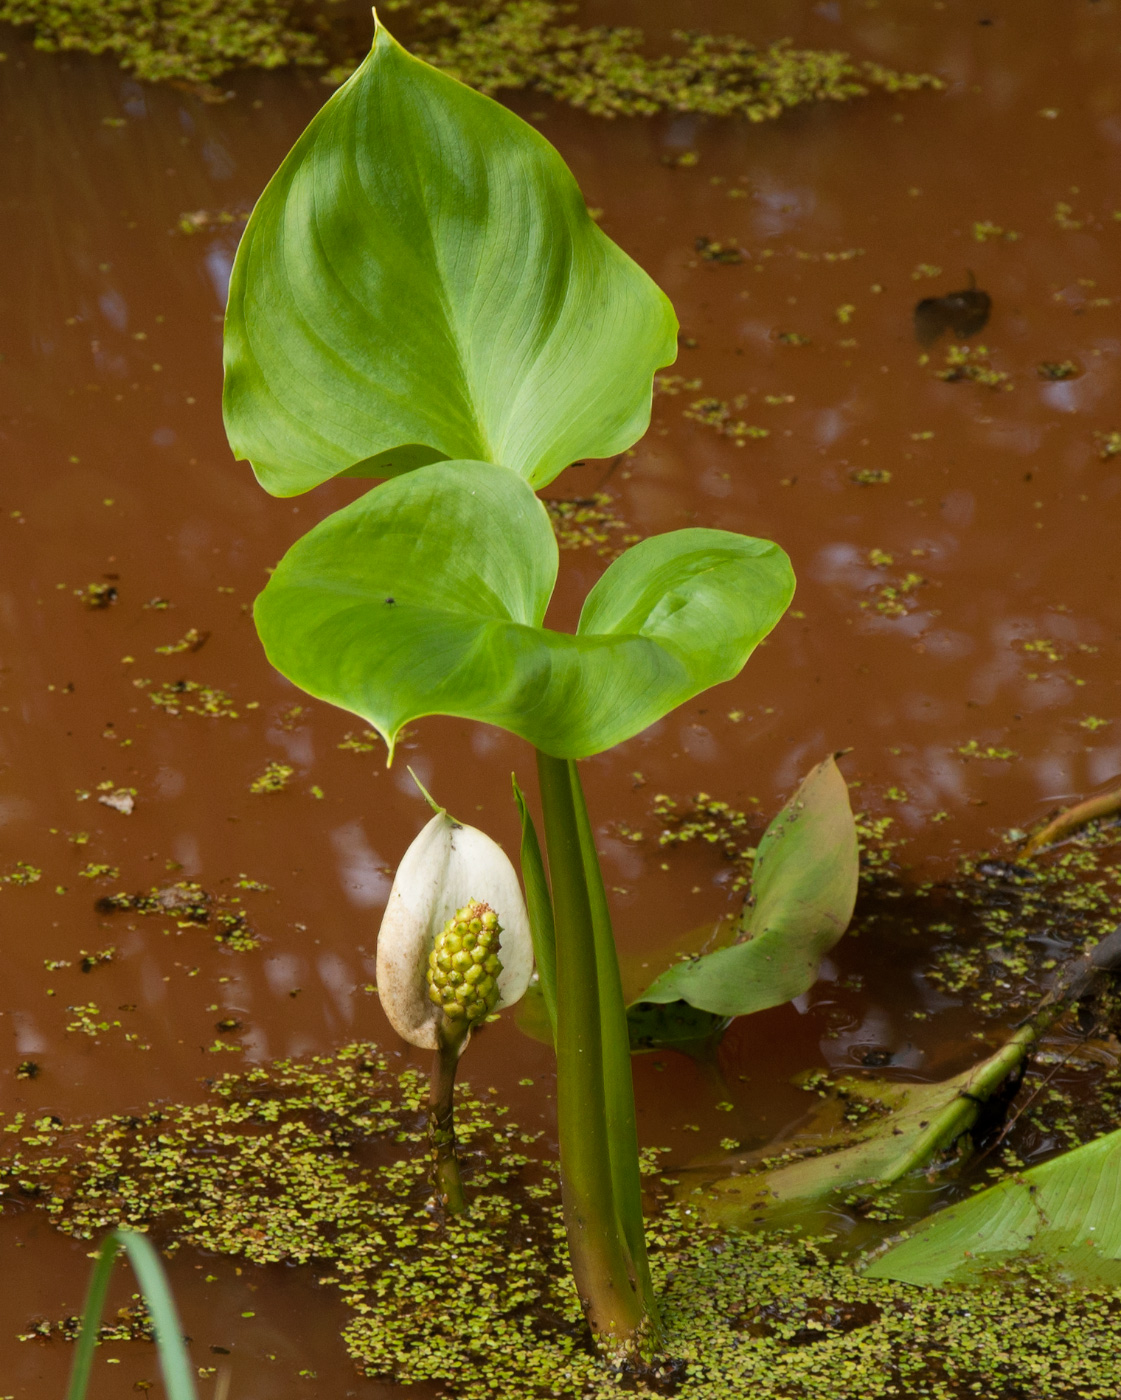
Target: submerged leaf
[[421, 280], [896, 1129], [1064, 1215], [426, 596], [804, 889]]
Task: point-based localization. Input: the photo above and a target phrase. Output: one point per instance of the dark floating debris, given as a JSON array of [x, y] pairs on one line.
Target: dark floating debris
[[1059, 369], [965, 313], [712, 251]]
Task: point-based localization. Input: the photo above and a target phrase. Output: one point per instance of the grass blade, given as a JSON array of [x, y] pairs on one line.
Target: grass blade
[[175, 1364]]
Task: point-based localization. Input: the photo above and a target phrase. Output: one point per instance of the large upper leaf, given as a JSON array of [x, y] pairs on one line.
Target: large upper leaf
[[426, 597], [1064, 1215], [804, 889], [422, 270]]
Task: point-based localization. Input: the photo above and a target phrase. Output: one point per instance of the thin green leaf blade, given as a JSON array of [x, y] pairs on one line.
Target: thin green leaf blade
[[175, 1364], [420, 280], [178, 1374], [539, 904], [618, 1079], [426, 597], [1064, 1215], [91, 1317], [806, 871]]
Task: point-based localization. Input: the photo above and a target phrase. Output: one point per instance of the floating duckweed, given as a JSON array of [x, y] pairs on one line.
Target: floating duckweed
[[1109, 445], [96, 596], [322, 1163], [972, 748], [588, 523], [502, 45], [192, 698], [192, 640], [715, 413], [716, 823], [673, 384], [190, 906], [188, 40], [495, 46], [896, 599], [274, 778], [367, 742], [1058, 369], [203, 221], [713, 251], [22, 873], [1009, 918], [972, 363]]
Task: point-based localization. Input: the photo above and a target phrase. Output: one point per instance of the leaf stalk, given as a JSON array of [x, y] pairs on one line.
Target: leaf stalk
[[600, 1185]]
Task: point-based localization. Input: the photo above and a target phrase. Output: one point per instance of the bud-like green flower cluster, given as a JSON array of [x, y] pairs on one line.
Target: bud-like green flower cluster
[[463, 967]]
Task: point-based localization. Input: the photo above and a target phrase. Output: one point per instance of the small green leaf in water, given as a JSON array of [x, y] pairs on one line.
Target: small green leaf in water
[[804, 889]]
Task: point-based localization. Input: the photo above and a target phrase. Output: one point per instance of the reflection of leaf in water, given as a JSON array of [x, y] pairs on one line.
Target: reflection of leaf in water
[[965, 313], [675, 1025]]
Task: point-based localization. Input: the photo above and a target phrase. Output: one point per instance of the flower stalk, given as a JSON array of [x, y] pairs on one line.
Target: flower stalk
[[446, 1179]]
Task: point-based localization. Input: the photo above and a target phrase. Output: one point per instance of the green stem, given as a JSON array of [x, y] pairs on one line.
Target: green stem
[[622, 1129], [441, 1130], [602, 1265]]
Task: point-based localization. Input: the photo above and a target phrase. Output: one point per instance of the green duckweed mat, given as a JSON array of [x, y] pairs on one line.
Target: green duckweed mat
[[494, 45], [323, 1163]]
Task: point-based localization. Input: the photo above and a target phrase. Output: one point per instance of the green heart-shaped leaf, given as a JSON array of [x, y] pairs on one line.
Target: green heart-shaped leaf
[[427, 595], [804, 888], [422, 280]]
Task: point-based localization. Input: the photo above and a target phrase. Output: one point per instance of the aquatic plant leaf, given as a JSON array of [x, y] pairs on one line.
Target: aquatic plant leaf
[[1064, 1215], [426, 596], [804, 889], [900, 1127], [421, 280]]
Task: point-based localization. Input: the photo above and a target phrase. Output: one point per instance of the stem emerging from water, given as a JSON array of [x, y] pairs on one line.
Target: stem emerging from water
[[441, 1128], [610, 1274]]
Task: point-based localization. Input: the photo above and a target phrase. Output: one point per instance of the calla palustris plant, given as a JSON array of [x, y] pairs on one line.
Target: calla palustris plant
[[454, 947], [420, 294]]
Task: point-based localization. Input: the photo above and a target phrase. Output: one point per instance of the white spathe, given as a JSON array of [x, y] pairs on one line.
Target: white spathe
[[446, 867]]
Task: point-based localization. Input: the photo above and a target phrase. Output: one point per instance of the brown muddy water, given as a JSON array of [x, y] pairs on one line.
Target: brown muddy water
[[956, 546]]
